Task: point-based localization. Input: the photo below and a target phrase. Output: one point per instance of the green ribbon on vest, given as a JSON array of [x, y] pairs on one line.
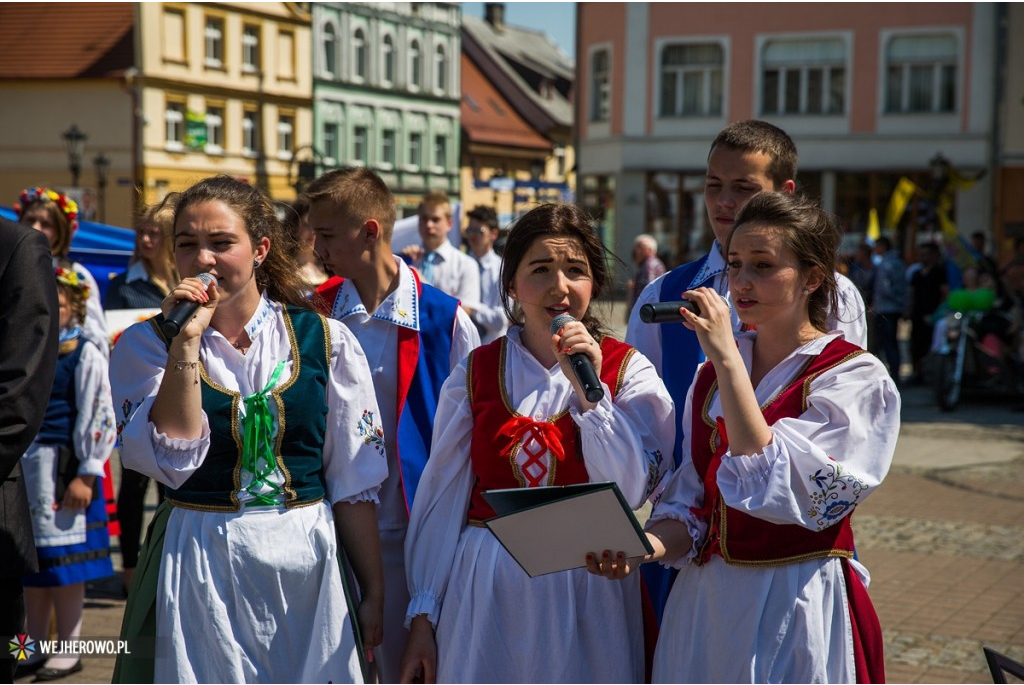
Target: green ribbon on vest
[[257, 429]]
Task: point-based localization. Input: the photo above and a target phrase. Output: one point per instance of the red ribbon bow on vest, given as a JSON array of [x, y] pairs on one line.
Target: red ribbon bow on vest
[[544, 432]]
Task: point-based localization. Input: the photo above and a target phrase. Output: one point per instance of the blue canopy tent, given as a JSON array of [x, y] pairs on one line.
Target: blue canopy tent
[[102, 249]]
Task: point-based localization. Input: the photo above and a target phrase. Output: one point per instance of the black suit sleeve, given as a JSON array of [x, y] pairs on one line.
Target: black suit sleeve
[[28, 338]]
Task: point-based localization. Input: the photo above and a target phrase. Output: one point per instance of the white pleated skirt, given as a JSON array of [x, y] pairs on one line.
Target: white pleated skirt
[[253, 596], [498, 625]]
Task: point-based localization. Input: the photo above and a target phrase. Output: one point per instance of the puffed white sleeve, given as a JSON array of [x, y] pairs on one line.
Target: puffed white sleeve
[[465, 338], [646, 337], [136, 370], [354, 459], [683, 494], [94, 432], [823, 463], [629, 440], [441, 502]]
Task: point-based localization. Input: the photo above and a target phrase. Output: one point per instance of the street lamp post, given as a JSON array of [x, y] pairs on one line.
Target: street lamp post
[[102, 164], [74, 142]]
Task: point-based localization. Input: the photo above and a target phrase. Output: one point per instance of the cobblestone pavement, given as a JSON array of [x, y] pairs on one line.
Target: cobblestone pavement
[[943, 539]]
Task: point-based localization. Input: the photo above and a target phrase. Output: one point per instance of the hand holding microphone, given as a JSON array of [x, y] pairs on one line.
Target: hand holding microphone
[[581, 364], [184, 311], [668, 312]]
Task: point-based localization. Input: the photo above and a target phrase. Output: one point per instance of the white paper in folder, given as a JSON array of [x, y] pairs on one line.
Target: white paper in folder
[[551, 529]]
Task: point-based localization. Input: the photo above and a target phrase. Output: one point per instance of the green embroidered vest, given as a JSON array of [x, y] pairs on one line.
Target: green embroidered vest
[[298, 442]]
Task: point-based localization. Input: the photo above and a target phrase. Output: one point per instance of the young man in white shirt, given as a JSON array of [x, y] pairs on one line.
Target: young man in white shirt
[[439, 262], [489, 313], [413, 335]]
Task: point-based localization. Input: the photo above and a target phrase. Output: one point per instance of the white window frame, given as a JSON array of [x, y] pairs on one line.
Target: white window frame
[[440, 68], [599, 110], [937, 67], [387, 53], [416, 163], [250, 130], [361, 139], [440, 161], [174, 126], [385, 162], [360, 55], [415, 63], [250, 48], [707, 72], [285, 136], [329, 50], [214, 130], [331, 156], [803, 71], [213, 42]]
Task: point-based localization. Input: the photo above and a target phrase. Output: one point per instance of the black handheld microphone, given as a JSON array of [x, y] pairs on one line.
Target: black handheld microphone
[[662, 312], [581, 364], [183, 312]]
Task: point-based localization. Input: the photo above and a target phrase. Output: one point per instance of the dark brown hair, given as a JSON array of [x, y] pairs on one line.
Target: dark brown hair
[[485, 215], [279, 275], [556, 220], [753, 135], [360, 193], [810, 232]]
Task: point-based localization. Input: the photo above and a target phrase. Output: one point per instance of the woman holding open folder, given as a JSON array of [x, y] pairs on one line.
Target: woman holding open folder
[[788, 429], [514, 414]]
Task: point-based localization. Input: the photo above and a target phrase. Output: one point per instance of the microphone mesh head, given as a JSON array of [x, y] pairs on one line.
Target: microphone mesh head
[[207, 279], [559, 321]]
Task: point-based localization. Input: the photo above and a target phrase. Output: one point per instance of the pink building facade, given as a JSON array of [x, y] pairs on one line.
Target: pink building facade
[[869, 92]]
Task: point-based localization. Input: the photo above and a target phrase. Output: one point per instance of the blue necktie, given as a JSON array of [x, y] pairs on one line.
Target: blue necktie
[[428, 267]]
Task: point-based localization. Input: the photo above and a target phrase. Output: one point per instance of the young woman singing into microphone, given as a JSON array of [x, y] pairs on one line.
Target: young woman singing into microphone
[[260, 419], [493, 622], [788, 428]]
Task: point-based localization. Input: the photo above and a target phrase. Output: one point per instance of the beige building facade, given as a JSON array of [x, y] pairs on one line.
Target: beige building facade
[[222, 88]]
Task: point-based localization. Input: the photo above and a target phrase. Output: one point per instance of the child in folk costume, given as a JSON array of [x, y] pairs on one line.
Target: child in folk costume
[[259, 418], [789, 428], [413, 336], [493, 622], [63, 473], [55, 215]]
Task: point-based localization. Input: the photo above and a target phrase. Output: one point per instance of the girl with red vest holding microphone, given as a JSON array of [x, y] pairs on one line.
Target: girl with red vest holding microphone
[[514, 415], [789, 427]]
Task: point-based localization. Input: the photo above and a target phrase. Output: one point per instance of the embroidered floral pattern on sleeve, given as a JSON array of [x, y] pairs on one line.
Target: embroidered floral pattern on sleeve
[[653, 470], [371, 432], [127, 409], [838, 493]]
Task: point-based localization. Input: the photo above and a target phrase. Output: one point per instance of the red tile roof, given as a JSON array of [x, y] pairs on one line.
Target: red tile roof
[[65, 39], [488, 118]]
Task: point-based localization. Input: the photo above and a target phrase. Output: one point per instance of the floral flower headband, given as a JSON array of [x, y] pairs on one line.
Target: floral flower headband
[[74, 280], [63, 202]]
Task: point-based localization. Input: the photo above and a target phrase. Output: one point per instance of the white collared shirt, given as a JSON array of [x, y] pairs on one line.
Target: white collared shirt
[[489, 312], [454, 272]]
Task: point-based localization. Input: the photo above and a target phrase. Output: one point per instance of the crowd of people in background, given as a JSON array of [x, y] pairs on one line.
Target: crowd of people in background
[[323, 424], [943, 277]]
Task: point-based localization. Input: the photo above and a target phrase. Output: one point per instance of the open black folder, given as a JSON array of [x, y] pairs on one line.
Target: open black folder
[[551, 529]]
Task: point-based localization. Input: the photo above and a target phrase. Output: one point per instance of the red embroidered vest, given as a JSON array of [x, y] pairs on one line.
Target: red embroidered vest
[[738, 537], [498, 429]]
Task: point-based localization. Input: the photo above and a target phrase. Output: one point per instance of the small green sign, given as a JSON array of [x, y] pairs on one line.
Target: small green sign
[[195, 130]]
